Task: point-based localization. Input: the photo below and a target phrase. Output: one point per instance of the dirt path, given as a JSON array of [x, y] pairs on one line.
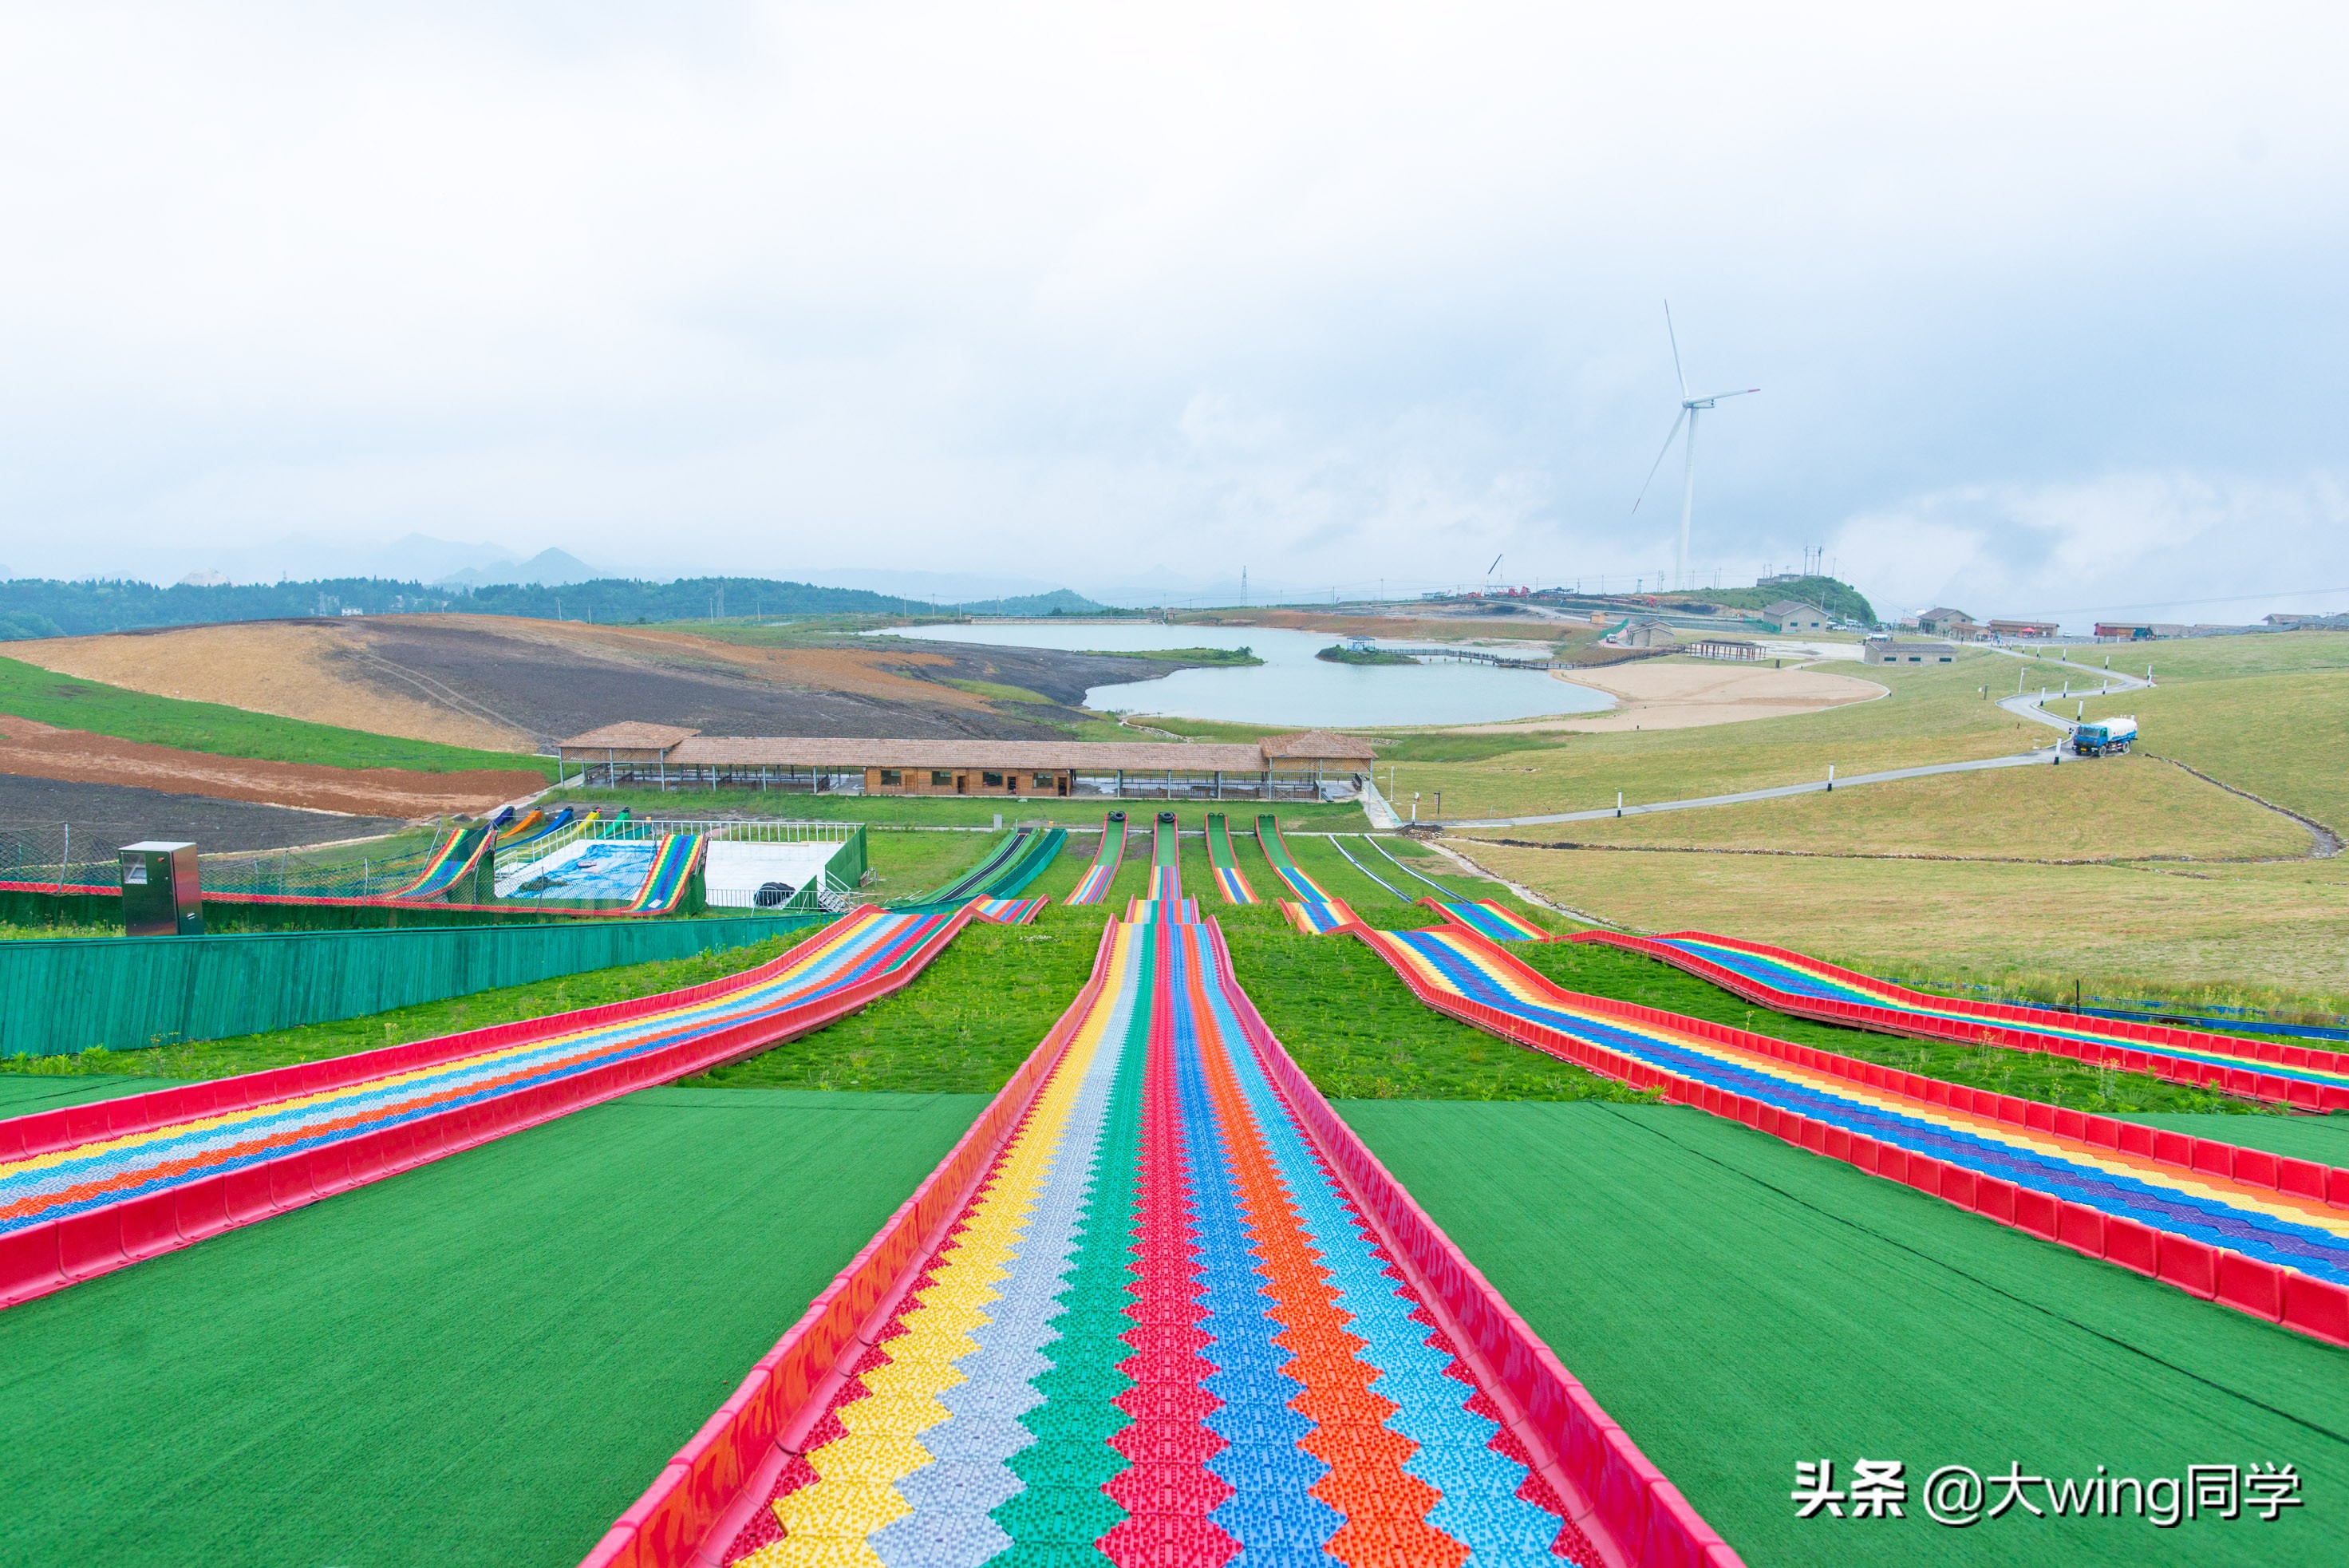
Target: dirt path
[[32, 750], [1690, 696]]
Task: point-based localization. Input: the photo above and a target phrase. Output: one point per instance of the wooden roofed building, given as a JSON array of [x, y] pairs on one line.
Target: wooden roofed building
[[1307, 765]]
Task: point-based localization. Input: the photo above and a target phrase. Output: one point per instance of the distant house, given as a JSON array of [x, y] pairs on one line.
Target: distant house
[[2337, 622], [1648, 633], [1321, 750], [669, 756], [1943, 621], [1792, 616], [2138, 630], [2024, 628], [1734, 648], [1885, 651]]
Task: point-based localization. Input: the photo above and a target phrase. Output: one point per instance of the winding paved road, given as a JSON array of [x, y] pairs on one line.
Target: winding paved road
[[2024, 705]]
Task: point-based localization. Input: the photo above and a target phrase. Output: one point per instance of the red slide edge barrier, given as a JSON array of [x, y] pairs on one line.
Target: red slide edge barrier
[[2182, 1151], [701, 1499], [44, 1132], [46, 1258], [2317, 1308], [1616, 1495], [2016, 1028], [323, 901]]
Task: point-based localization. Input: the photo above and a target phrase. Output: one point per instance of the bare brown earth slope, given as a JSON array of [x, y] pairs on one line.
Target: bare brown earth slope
[[35, 812], [31, 750], [514, 685]]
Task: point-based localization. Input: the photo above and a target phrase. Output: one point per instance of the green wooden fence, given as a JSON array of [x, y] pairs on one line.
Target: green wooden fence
[[66, 994]]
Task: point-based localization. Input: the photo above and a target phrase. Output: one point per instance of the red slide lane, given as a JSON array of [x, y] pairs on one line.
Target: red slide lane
[[2310, 1306], [1579, 1447], [2012, 1027], [704, 1495], [39, 1261]]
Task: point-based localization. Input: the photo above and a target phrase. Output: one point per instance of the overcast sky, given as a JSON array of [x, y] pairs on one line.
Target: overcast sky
[[2046, 302]]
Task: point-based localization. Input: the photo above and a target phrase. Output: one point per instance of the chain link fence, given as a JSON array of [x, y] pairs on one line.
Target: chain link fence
[[67, 855]]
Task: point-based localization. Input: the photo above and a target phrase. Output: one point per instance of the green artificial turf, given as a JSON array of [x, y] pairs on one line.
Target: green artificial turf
[[1611, 972], [482, 1361], [1739, 1304], [73, 704], [22, 1094]]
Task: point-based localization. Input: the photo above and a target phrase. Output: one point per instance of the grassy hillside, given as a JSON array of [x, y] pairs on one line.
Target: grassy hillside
[[2117, 808], [71, 703], [2274, 935], [1936, 715], [2266, 714]]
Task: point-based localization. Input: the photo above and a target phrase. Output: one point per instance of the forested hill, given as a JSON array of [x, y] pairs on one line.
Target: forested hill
[[1839, 599], [36, 607]]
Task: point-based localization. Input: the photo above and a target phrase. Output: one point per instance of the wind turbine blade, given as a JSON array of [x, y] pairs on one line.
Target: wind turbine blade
[[1676, 349], [1716, 397], [1495, 565], [1670, 436]]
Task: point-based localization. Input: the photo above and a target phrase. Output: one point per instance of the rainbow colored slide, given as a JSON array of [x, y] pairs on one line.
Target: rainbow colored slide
[[670, 877], [1489, 918], [2298, 1076], [1228, 879], [90, 1188], [452, 859], [1007, 912], [1093, 885], [1285, 866], [531, 828], [2258, 1232], [1160, 1306], [1320, 917]]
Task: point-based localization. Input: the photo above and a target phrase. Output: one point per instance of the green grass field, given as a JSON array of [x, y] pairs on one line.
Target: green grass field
[[2265, 936], [1359, 1034], [2112, 808], [1739, 1304], [2256, 713], [963, 1027], [72, 704], [482, 1361]]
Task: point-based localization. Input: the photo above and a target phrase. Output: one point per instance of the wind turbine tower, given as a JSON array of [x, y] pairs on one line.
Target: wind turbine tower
[[1690, 407]]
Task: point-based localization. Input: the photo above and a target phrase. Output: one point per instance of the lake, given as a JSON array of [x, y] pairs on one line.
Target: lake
[[1291, 686]]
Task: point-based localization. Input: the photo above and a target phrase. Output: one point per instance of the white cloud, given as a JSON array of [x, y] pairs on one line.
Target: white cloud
[[1341, 290], [2171, 547]]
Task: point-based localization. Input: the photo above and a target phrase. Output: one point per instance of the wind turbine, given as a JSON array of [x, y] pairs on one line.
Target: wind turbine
[[1690, 407]]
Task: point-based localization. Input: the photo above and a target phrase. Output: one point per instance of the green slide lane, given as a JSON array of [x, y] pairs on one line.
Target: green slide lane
[[482, 1361], [1741, 1305]]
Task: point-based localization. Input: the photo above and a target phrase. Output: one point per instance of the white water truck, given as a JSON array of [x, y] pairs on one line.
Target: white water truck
[[2096, 737]]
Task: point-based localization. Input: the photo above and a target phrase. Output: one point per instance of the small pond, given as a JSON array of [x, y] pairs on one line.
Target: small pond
[[1291, 686]]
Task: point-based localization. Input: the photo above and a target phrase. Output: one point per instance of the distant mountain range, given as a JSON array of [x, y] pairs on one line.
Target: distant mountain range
[[40, 607]]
